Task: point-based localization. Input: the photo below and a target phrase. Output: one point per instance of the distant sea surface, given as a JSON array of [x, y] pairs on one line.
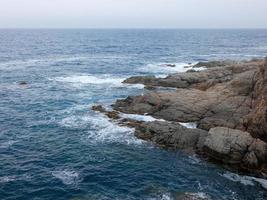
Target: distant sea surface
[[53, 147]]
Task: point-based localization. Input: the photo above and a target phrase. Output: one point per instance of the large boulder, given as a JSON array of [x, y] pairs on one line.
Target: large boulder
[[235, 147]]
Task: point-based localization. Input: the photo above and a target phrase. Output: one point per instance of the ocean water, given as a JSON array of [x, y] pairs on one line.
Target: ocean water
[[53, 146]]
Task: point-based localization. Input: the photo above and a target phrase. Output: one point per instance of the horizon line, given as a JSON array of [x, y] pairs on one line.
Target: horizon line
[[148, 28]]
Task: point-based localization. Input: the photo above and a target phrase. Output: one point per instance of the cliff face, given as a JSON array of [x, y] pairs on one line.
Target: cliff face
[[256, 121]]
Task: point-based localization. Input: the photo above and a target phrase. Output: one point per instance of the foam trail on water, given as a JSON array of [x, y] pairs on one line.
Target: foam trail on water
[[245, 180], [100, 129], [7, 144], [163, 69], [6, 179], [68, 177], [107, 80]]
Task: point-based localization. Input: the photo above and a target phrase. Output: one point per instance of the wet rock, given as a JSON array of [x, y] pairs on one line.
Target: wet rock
[[191, 70], [113, 115], [23, 83], [98, 108], [170, 65]]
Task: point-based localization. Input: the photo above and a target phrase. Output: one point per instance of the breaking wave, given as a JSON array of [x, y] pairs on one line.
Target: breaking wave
[[107, 80], [100, 129], [162, 69], [68, 177], [245, 180]]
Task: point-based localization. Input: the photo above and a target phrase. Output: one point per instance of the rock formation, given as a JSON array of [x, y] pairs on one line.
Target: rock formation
[[228, 101]]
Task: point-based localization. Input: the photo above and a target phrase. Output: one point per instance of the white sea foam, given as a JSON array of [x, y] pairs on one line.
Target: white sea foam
[[245, 180], [48, 61], [6, 179], [101, 129], [7, 144], [144, 118], [191, 125], [106, 131], [162, 69], [107, 80], [165, 196], [68, 177]]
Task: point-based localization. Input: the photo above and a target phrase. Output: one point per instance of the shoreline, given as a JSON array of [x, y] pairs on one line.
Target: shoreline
[[227, 101]]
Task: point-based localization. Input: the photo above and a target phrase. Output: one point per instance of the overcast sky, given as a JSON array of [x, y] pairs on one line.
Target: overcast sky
[[133, 13]]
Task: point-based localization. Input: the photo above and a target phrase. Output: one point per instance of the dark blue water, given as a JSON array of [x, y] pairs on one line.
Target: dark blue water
[[52, 146]]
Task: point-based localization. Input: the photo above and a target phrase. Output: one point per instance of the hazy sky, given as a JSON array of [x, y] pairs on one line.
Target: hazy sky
[[133, 13]]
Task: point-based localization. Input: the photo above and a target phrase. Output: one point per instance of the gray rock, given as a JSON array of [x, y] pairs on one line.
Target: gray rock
[[171, 134]]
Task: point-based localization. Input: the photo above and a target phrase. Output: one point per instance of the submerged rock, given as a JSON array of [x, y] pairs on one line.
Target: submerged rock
[[192, 196], [98, 108], [23, 83]]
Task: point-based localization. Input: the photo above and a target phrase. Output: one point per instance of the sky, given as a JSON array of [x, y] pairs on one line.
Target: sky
[[133, 13]]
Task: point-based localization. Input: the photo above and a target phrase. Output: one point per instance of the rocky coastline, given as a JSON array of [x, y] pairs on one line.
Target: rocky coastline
[[227, 101]]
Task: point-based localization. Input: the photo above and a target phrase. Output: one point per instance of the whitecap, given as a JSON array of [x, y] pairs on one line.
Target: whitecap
[[68, 177], [101, 129], [245, 180], [107, 80], [165, 196], [48, 61], [7, 144], [161, 68], [107, 131], [190, 125], [6, 179], [75, 121]]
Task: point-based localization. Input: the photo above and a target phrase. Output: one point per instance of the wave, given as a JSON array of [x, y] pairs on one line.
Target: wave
[[245, 180], [100, 129], [68, 177], [106, 131], [162, 68], [6, 179], [48, 61], [7, 144], [107, 80]]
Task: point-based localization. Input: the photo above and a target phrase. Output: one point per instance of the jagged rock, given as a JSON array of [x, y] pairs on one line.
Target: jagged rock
[[229, 100]]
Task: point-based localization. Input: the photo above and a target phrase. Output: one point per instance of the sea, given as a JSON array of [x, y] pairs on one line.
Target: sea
[[54, 147]]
